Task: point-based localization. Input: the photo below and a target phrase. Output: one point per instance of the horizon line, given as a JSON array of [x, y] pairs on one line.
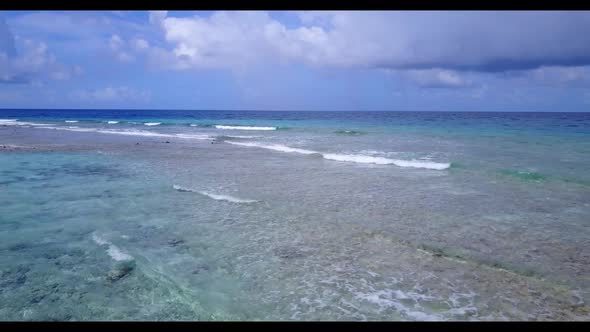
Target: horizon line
[[267, 110]]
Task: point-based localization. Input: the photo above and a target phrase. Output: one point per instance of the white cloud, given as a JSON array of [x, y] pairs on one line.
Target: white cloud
[[124, 50], [115, 42], [550, 76], [399, 40], [33, 63], [140, 44], [111, 94], [437, 78], [28, 61], [222, 40], [7, 45], [76, 26], [561, 76], [83, 33], [118, 46], [157, 16]]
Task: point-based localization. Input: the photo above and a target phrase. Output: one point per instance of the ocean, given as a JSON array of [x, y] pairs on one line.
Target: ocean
[[273, 215]]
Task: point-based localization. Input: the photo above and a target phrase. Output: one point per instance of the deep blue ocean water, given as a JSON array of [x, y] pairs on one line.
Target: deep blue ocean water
[[529, 121], [263, 215]]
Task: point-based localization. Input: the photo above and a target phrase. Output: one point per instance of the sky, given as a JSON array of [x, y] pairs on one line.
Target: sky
[[296, 60]]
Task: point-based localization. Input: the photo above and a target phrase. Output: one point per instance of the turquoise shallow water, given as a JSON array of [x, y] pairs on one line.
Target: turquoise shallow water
[[328, 217]]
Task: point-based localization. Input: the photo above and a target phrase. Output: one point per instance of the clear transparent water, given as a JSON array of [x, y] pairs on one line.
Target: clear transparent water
[[91, 227]]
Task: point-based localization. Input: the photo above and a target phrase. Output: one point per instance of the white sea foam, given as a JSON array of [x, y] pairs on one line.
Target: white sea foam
[[113, 250], [194, 125], [152, 123], [134, 133], [358, 159], [112, 122], [244, 127], [386, 161], [71, 121], [226, 198], [193, 136], [15, 122], [143, 133], [350, 157], [214, 196], [73, 128], [275, 147], [183, 189], [422, 164], [242, 136], [153, 134], [100, 241], [117, 254], [372, 152], [389, 298], [12, 123]]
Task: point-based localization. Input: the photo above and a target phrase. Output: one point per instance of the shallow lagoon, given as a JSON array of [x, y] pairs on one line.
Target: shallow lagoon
[[92, 227]]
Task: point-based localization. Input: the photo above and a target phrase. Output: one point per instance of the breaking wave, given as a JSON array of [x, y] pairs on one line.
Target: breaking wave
[[362, 159], [244, 127], [214, 196]]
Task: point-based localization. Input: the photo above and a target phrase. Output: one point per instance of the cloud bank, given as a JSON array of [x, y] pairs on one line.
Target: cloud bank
[[33, 63], [460, 41], [309, 59]]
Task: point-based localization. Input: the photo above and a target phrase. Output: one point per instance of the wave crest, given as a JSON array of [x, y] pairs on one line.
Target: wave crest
[[350, 157], [386, 161], [244, 127], [275, 147], [217, 197]]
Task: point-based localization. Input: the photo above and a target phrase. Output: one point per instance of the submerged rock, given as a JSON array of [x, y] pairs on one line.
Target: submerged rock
[[175, 242], [20, 246], [14, 277], [121, 270], [201, 268], [289, 252]]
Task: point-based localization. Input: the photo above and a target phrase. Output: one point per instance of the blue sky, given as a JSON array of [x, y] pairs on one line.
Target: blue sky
[[342, 60]]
